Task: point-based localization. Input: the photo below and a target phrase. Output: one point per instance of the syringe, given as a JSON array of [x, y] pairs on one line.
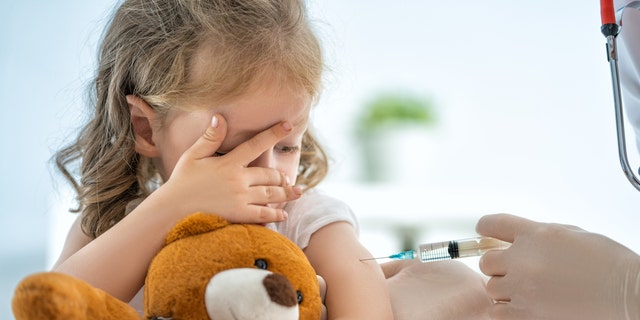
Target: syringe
[[446, 250]]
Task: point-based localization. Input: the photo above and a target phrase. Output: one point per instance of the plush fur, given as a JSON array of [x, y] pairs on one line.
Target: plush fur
[[208, 269]]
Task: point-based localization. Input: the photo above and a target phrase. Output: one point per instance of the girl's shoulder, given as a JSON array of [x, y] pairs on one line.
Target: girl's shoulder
[[308, 214]]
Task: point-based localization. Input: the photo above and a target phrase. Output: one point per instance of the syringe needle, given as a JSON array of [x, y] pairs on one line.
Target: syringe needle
[[367, 259], [404, 255]]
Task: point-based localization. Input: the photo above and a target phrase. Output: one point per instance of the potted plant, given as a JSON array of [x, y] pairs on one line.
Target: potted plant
[[393, 131]]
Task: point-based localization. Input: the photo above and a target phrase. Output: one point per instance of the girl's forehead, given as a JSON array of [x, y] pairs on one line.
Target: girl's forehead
[[270, 96], [259, 110]]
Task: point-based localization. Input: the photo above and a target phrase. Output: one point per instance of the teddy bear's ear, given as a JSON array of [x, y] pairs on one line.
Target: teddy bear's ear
[[194, 224]]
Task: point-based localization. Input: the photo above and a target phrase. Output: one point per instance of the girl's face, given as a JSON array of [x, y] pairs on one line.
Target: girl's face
[[264, 105]]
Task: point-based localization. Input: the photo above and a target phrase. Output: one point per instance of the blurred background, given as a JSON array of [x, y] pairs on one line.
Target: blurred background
[[467, 107]]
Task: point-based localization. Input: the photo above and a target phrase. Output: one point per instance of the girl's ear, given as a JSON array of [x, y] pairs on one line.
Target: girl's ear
[[142, 117]]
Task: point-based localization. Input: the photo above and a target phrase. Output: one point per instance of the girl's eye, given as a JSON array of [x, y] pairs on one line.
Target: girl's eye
[[287, 149], [219, 154]]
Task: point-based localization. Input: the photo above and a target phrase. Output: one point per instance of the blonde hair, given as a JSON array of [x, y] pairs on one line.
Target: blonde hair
[[148, 50]]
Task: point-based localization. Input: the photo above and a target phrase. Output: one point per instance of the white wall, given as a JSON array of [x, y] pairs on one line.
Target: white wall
[[46, 52], [522, 90], [525, 103]]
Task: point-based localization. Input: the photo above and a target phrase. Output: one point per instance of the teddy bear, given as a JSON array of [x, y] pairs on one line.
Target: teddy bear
[[208, 269]]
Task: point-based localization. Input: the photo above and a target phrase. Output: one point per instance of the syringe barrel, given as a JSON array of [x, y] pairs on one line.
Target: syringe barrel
[[455, 249], [434, 251]]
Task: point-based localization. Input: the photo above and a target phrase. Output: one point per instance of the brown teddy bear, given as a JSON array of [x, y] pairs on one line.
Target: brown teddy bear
[[208, 269]]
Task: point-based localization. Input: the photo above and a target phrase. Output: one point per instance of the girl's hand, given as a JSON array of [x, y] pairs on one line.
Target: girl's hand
[[224, 185]]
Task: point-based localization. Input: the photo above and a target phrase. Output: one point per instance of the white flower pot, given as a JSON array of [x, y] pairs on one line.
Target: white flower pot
[[397, 154]]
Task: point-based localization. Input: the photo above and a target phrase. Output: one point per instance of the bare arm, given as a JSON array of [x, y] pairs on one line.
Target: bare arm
[[355, 289], [76, 239], [117, 260]]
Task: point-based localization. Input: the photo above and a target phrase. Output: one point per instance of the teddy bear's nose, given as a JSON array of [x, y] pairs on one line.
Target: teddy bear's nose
[[280, 290]]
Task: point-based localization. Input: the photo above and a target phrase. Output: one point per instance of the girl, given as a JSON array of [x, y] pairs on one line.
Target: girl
[[203, 105]]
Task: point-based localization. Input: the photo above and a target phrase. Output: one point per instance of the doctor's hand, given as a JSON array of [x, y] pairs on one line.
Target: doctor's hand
[[435, 290], [323, 294], [554, 271]]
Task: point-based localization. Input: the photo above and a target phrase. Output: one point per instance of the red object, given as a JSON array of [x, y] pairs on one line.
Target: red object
[[607, 12]]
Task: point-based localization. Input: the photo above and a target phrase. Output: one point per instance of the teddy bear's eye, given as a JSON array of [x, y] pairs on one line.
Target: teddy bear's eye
[[261, 264], [300, 296]]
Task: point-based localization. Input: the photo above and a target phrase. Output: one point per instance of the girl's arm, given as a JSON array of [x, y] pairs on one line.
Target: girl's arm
[[117, 260], [76, 239], [355, 289]]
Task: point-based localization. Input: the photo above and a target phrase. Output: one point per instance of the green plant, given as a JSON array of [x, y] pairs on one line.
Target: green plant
[[395, 108]]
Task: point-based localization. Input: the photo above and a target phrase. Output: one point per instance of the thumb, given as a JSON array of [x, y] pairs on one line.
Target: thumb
[[323, 287], [504, 226], [211, 139]]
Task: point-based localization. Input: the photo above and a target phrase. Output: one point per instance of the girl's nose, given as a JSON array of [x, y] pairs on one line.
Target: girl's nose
[[265, 160]]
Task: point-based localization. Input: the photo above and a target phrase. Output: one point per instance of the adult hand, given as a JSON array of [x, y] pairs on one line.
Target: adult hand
[[225, 185], [554, 271], [323, 294], [436, 290]]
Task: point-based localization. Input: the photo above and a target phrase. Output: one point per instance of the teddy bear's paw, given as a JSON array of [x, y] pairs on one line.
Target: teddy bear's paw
[[51, 295], [46, 296], [246, 293]]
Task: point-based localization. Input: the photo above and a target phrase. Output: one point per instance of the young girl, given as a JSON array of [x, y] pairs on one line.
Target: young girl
[[203, 105]]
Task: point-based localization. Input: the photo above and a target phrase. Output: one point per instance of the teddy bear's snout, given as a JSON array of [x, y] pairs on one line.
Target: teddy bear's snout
[[280, 290], [251, 293]]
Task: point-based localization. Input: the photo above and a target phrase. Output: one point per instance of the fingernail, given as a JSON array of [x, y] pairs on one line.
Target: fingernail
[[214, 121], [297, 190], [287, 180], [286, 126], [285, 215]]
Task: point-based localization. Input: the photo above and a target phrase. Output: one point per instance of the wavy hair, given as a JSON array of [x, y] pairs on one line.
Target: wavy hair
[[148, 50]]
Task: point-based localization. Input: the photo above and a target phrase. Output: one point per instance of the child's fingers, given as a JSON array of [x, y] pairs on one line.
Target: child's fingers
[[211, 140], [263, 195], [254, 147], [261, 214], [261, 176]]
